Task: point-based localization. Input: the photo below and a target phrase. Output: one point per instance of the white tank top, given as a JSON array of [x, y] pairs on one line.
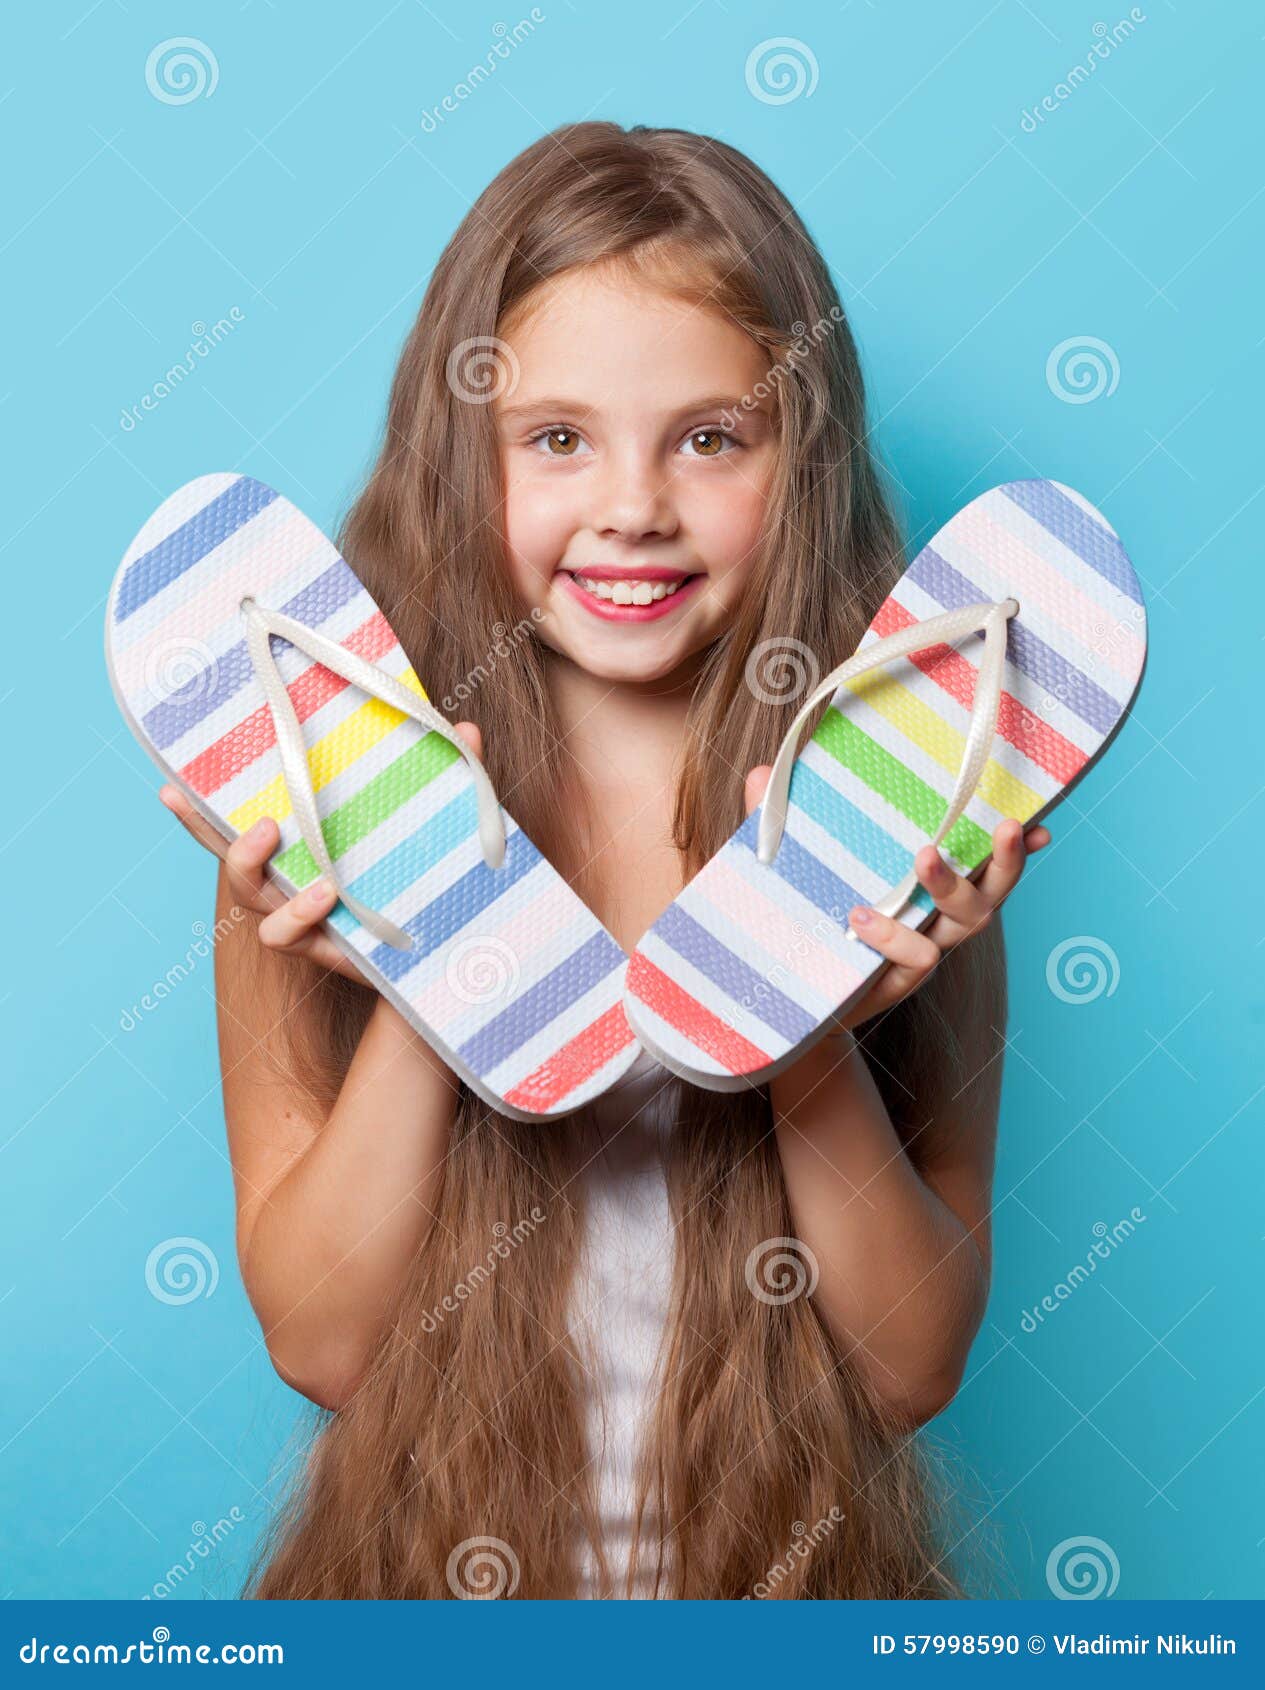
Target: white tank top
[[622, 1294]]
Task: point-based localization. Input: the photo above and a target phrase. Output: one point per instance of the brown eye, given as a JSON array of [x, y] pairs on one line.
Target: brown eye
[[707, 443], [562, 442]]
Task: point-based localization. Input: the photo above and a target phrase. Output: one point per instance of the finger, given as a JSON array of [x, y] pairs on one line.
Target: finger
[[296, 918], [1037, 838], [756, 782], [892, 939], [245, 860], [1010, 853], [896, 982], [192, 821], [963, 905], [473, 736]]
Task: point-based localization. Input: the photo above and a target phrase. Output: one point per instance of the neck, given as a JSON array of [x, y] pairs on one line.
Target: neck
[[621, 734]]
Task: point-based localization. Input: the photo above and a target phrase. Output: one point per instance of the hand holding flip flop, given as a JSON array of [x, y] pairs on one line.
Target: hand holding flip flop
[[363, 827]]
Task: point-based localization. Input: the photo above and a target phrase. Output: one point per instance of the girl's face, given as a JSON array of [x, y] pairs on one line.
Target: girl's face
[[630, 515]]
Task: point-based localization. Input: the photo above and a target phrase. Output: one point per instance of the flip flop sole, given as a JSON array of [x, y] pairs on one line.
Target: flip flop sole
[[513, 980], [751, 964]]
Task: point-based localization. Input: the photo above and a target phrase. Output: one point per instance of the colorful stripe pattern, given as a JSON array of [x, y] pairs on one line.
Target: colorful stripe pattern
[[512, 979], [745, 969]]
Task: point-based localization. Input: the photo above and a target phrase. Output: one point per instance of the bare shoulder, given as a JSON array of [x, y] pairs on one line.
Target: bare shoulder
[[270, 1121]]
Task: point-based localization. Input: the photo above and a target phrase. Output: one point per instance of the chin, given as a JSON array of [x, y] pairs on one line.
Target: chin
[[624, 667]]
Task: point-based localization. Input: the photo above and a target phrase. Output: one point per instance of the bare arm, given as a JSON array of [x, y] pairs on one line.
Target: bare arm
[[330, 1209], [904, 1257], [332, 1202], [904, 1252]]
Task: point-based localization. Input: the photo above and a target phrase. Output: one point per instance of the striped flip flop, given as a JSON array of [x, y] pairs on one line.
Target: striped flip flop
[[932, 735], [258, 673]]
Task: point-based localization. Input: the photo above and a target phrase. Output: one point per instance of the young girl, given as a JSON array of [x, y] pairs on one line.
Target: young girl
[[676, 1344]]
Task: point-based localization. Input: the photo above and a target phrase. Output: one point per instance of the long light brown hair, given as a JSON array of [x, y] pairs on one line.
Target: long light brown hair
[[763, 1427]]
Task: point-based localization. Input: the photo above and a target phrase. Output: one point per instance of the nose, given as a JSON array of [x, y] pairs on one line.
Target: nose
[[633, 499]]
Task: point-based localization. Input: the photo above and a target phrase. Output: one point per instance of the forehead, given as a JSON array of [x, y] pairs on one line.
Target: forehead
[[600, 332]]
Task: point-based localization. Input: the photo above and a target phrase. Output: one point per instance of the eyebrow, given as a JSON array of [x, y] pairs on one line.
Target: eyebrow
[[560, 405]]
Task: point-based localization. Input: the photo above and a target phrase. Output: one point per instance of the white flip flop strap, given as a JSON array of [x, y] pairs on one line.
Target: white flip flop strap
[[935, 630], [260, 625]]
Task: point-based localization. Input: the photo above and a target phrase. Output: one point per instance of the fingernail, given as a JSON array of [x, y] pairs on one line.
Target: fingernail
[[319, 891], [861, 917]]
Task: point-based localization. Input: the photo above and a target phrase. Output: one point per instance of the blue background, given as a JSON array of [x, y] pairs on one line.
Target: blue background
[[305, 192]]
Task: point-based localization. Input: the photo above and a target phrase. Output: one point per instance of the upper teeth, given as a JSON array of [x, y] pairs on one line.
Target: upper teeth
[[629, 592]]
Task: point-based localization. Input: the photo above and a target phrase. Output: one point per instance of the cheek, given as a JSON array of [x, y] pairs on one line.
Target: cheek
[[537, 526], [728, 522]]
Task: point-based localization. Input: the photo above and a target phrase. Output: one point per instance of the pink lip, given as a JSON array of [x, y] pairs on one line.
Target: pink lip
[[622, 572], [631, 612]]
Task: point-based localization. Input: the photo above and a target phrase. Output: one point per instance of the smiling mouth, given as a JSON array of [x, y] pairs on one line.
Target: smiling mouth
[[629, 590], [618, 597]]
